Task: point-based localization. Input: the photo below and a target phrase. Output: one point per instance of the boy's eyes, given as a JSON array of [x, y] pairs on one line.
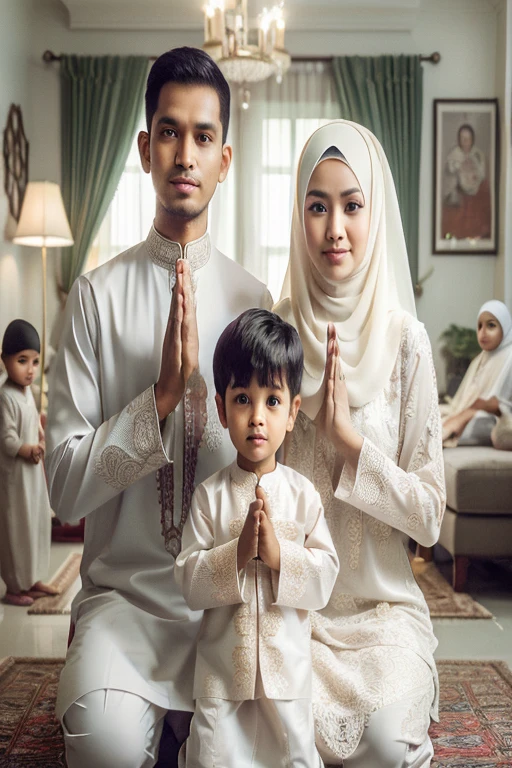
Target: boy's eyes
[[244, 400]]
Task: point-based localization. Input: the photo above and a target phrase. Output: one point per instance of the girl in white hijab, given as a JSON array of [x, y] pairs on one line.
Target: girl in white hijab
[[486, 390], [369, 437]]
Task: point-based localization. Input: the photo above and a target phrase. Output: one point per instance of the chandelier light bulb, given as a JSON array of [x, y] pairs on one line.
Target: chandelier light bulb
[[245, 98]]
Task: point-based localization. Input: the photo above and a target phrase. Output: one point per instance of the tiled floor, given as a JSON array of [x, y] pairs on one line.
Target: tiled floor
[[490, 584], [24, 635]]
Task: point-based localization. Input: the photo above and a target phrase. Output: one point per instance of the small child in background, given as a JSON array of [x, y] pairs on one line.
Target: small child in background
[[485, 392], [257, 556], [25, 514]]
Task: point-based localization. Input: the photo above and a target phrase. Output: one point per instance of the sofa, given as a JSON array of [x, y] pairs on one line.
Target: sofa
[[478, 519]]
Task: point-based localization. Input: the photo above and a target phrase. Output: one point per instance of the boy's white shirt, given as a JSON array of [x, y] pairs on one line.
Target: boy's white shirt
[[255, 635]]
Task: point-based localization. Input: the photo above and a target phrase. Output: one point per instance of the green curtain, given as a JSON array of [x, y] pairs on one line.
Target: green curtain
[[101, 102], [385, 94]]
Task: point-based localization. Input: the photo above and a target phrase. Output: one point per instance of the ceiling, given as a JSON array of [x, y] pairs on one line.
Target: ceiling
[[301, 15]]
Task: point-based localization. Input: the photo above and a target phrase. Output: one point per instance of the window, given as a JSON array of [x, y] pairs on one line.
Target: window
[[130, 213]]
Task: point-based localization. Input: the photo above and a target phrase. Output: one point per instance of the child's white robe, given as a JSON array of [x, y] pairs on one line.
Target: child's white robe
[[255, 634], [25, 513], [109, 462]]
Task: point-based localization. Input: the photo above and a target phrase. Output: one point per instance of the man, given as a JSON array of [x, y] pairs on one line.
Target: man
[[132, 428]]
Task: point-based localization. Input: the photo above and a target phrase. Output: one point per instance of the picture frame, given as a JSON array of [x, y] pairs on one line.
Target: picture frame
[[465, 210]]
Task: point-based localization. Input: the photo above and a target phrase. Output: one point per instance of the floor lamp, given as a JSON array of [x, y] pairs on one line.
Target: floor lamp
[[43, 224]]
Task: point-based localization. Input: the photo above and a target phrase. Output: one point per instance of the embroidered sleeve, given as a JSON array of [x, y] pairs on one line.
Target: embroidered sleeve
[[10, 440], [410, 494], [91, 459], [308, 572], [134, 446], [207, 574]]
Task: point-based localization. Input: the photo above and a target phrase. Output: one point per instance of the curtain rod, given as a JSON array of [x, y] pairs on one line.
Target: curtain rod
[[434, 58]]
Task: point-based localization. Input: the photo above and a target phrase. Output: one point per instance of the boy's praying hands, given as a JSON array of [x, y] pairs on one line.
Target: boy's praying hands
[[258, 538]]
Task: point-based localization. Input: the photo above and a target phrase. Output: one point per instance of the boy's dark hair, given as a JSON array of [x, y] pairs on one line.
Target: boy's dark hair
[[187, 66], [258, 342]]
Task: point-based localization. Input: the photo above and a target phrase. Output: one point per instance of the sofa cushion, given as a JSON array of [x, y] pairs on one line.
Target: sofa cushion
[[478, 480]]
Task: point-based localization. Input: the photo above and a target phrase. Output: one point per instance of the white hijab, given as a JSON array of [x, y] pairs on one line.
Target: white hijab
[[368, 307], [488, 373]]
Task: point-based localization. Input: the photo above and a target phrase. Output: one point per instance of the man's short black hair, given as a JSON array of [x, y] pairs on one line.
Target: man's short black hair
[[187, 66], [258, 342]]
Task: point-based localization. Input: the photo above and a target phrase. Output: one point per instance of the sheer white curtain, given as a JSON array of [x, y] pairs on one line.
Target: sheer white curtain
[[250, 213], [130, 213]]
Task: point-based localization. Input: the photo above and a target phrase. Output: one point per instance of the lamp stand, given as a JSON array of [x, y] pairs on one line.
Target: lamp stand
[[43, 335]]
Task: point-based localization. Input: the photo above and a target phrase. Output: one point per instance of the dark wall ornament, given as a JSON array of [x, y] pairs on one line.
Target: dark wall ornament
[[15, 151]]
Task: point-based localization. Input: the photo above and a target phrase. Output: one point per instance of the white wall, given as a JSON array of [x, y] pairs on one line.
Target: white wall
[[465, 33], [20, 267]]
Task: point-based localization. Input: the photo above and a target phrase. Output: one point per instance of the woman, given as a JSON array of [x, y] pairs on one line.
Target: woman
[[486, 390], [467, 196], [369, 436]]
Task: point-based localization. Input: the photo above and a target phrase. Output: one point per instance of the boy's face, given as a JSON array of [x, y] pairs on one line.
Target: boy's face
[[258, 419], [22, 367], [184, 152]]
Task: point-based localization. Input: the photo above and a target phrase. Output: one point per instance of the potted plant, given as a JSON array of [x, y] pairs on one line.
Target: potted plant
[[460, 346]]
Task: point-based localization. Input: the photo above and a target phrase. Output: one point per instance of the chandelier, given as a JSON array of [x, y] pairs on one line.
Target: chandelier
[[226, 39]]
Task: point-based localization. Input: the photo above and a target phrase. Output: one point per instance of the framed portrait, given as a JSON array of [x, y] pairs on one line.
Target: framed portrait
[[465, 176]]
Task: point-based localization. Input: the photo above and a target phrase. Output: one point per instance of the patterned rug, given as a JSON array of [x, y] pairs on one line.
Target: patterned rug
[[443, 602], [475, 730], [29, 733], [67, 579]]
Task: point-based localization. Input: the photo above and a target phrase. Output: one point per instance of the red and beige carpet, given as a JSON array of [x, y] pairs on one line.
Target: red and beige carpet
[[443, 602], [475, 730]]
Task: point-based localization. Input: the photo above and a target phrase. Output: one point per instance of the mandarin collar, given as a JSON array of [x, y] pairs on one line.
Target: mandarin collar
[[242, 477], [165, 253]]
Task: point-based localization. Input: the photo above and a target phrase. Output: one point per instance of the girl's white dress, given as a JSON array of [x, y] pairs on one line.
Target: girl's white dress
[[25, 513]]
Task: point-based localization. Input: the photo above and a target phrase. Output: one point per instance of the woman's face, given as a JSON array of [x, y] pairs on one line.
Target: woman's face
[[465, 140], [336, 220], [489, 332]]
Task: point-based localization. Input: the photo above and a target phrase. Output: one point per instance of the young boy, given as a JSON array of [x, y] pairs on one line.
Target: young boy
[[257, 557], [25, 515]]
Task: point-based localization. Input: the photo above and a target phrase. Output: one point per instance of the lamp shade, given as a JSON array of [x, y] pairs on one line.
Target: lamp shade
[[43, 220]]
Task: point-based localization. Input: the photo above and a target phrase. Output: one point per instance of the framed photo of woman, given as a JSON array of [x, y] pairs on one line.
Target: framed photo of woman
[[465, 176]]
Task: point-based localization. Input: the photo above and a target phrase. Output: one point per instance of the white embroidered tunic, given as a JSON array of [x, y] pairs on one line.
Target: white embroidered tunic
[[373, 644], [109, 462], [255, 635], [25, 514]]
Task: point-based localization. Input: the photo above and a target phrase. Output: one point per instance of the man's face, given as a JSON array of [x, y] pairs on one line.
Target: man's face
[[184, 152]]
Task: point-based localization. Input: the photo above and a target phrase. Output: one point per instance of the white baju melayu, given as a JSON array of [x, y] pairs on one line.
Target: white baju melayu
[[374, 676], [254, 645], [25, 513], [109, 461]]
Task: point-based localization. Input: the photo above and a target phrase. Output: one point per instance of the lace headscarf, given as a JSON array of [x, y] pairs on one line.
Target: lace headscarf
[[368, 307]]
